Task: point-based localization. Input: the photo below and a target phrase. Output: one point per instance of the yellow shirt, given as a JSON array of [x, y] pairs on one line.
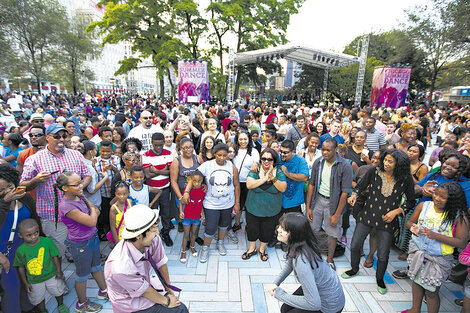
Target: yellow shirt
[[119, 216], [433, 220]]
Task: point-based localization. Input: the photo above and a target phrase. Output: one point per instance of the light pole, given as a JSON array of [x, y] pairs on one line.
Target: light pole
[[84, 82]]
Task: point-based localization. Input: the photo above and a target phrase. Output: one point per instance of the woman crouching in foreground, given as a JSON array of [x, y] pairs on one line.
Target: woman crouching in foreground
[[320, 289]]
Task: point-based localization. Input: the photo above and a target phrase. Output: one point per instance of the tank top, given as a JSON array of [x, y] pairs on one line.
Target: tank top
[[119, 216], [431, 219], [139, 196], [185, 172]]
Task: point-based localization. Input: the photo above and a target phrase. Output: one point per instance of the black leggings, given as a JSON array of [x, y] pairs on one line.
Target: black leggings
[[261, 228], [285, 308]]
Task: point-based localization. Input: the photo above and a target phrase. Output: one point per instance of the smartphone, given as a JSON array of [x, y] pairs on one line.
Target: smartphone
[[55, 172], [20, 189]]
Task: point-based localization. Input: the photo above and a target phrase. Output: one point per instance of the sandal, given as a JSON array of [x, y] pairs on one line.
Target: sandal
[[368, 264], [247, 255], [183, 257], [263, 256], [236, 227], [193, 251]]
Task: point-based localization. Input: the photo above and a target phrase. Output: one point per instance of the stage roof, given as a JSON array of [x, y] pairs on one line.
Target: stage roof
[[313, 57]]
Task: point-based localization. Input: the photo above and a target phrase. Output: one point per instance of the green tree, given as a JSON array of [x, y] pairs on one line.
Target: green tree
[[431, 29], [34, 27], [75, 46]]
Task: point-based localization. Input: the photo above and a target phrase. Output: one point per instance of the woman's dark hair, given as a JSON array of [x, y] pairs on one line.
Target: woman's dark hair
[[61, 181], [402, 164], [15, 138], [204, 150], [456, 205], [446, 154], [302, 242], [9, 174], [121, 132], [249, 148], [131, 140], [232, 122], [218, 147], [310, 136], [420, 148], [273, 154], [68, 122], [121, 184], [325, 129], [88, 145]]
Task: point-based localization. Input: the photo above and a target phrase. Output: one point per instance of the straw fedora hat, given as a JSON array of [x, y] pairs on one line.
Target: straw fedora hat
[[137, 220]]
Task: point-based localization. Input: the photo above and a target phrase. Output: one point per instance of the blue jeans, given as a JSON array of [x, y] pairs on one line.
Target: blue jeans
[[216, 218], [384, 240], [86, 256]]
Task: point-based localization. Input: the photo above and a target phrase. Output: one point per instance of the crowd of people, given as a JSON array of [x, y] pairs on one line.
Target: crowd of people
[[128, 169]]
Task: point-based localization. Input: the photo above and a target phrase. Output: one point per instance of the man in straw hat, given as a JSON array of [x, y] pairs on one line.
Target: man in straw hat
[[131, 287]]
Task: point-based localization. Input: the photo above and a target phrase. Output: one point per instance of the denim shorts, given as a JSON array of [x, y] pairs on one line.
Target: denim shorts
[[191, 221], [86, 256], [216, 219]]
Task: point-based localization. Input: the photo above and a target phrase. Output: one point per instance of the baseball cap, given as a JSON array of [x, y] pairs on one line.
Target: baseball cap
[[54, 128]]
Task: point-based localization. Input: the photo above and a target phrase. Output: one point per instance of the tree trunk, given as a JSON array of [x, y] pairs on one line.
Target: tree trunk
[[38, 81], [162, 88], [171, 83]]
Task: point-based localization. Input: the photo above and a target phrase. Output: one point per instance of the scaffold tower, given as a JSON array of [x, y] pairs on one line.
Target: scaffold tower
[[362, 69]]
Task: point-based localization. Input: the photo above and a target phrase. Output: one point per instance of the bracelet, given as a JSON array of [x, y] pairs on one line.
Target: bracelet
[[181, 198], [168, 301]]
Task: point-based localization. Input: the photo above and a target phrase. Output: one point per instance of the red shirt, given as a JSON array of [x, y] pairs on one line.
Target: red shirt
[[160, 161], [194, 207]]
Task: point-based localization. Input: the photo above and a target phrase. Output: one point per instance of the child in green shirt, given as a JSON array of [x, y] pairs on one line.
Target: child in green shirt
[[39, 268]]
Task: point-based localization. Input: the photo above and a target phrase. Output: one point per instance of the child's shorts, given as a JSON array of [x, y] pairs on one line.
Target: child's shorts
[[53, 285], [466, 288], [191, 221], [86, 256]]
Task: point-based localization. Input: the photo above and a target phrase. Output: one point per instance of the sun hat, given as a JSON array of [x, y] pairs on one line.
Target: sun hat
[[36, 116], [138, 220]]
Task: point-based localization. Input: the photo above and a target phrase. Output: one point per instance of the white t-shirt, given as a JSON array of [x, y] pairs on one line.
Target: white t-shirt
[[145, 135], [244, 169], [218, 136], [220, 190]]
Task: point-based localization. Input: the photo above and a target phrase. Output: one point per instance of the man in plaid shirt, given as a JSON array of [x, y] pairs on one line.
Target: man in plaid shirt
[[41, 170], [112, 164]]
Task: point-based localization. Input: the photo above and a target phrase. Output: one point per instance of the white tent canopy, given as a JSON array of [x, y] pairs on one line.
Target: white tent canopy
[[313, 57]]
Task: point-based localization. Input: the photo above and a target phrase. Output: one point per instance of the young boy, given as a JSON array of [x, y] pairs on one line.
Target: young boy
[[112, 165], [191, 213], [139, 192], [39, 268]]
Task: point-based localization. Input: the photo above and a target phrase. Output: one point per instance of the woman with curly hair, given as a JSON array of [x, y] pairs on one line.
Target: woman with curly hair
[[207, 145], [387, 184], [437, 226], [408, 135]]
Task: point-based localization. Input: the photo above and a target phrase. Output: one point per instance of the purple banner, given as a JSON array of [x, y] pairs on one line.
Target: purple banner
[[390, 86], [193, 81]]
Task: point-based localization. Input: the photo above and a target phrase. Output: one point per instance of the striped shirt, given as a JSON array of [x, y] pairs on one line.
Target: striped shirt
[[46, 161], [160, 161], [100, 168], [375, 139]]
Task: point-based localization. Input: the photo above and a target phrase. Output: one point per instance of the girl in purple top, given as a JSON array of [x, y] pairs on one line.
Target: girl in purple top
[[80, 217]]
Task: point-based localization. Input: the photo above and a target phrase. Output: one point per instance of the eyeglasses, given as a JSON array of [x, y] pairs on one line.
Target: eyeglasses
[[267, 159], [284, 152], [36, 135], [58, 136], [187, 148], [76, 185]]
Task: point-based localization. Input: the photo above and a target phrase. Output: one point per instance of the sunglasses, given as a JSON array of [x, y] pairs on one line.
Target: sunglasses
[[267, 159], [36, 135], [38, 121], [57, 136], [284, 152], [146, 117]]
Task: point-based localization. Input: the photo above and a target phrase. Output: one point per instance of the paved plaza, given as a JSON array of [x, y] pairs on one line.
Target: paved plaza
[[230, 284]]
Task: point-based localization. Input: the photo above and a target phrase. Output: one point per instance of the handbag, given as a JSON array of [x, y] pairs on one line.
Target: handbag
[[109, 235]]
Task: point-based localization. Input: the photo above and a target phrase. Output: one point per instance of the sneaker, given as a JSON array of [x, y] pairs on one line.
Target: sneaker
[[88, 307], [400, 274], [333, 266], [167, 240], [204, 254], [232, 236], [344, 239], [221, 247], [63, 309], [102, 295]]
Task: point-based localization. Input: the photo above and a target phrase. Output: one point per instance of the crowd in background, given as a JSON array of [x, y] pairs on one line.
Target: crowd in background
[[76, 170]]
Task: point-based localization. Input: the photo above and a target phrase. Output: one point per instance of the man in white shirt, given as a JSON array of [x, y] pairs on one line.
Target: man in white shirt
[[144, 130]]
